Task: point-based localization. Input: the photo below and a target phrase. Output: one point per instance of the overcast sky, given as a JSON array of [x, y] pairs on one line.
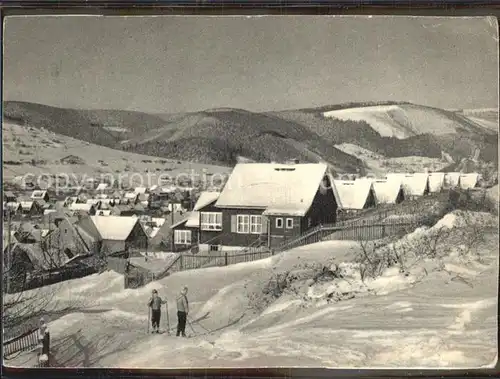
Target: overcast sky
[[175, 64]]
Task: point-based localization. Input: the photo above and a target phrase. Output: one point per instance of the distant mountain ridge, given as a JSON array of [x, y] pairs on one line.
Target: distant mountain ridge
[[222, 136]]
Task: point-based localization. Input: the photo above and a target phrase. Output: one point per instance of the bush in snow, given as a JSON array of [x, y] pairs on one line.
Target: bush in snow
[[458, 232]]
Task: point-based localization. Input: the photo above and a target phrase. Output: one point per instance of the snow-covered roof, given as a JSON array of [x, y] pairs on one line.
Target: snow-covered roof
[[116, 228], [413, 184], [49, 211], [159, 221], [468, 181], [206, 197], [386, 191], [103, 212], [102, 186], [452, 179], [436, 181], [38, 194], [153, 232], [168, 189], [92, 201], [274, 186], [353, 193], [131, 195], [12, 205], [26, 204], [192, 220], [80, 207], [140, 189]]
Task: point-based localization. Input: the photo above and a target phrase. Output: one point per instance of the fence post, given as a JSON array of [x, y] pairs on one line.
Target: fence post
[[181, 263], [225, 258]]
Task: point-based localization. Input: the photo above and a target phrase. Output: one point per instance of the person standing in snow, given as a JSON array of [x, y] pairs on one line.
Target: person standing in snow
[[155, 304], [182, 312]]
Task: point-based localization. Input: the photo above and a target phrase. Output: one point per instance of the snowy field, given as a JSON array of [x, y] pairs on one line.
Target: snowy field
[[22, 145], [438, 313], [400, 121], [379, 165]]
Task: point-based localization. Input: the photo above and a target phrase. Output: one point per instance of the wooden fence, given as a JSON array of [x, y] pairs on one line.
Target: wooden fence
[[24, 342], [29, 341], [354, 230], [46, 278]]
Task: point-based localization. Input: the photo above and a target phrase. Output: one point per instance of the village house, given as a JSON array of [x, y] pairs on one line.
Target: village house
[[82, 208], [468, 181], [102, 187], [26, 233], [130, 198], [118, 234], [414, 185], [185, 232], [70, 238], [40, 195], [436, 182], [12, 209], [388, 192], [451, 180], [9, 197], [356, 195], [21, 259], [31, 209], [267, 204]]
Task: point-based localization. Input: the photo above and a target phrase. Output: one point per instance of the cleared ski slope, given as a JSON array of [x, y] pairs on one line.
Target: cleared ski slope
[[447, 319], [400, 121]]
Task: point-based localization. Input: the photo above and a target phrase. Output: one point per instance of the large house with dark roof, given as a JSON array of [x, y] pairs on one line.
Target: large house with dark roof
[[266, 204]]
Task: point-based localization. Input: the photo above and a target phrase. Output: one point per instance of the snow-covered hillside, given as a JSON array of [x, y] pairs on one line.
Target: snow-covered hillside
[[377, 164], [400, 121], [440, 313]]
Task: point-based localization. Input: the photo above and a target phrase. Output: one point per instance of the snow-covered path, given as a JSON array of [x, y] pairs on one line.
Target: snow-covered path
[[449, 319]]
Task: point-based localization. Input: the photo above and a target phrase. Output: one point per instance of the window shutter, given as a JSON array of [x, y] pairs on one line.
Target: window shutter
[[265, 220], [233, 223]]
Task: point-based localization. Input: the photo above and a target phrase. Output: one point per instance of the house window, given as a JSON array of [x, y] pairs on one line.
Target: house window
[[279, 223], [289, 223], [249, 224], [211, 221], [255, 224], [243, 224], [182, 237]]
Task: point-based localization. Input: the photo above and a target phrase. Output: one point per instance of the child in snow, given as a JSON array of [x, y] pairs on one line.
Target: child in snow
[[155, 304], [182, 312]]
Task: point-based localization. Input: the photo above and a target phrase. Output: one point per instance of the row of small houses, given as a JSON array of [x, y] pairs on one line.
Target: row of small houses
[[268, 204], [262, 205], [137, 201]]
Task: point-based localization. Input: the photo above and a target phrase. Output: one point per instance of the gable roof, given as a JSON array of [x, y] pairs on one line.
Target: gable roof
[[206, 198], [102, 186], [353, 193], [131, 195], [413, 184], [26, 205], [192, 220], [116, 228], [452, 179], [278, 188], [436, 181], [387, 191], [12, 205], [86, 207], [468, 181]]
